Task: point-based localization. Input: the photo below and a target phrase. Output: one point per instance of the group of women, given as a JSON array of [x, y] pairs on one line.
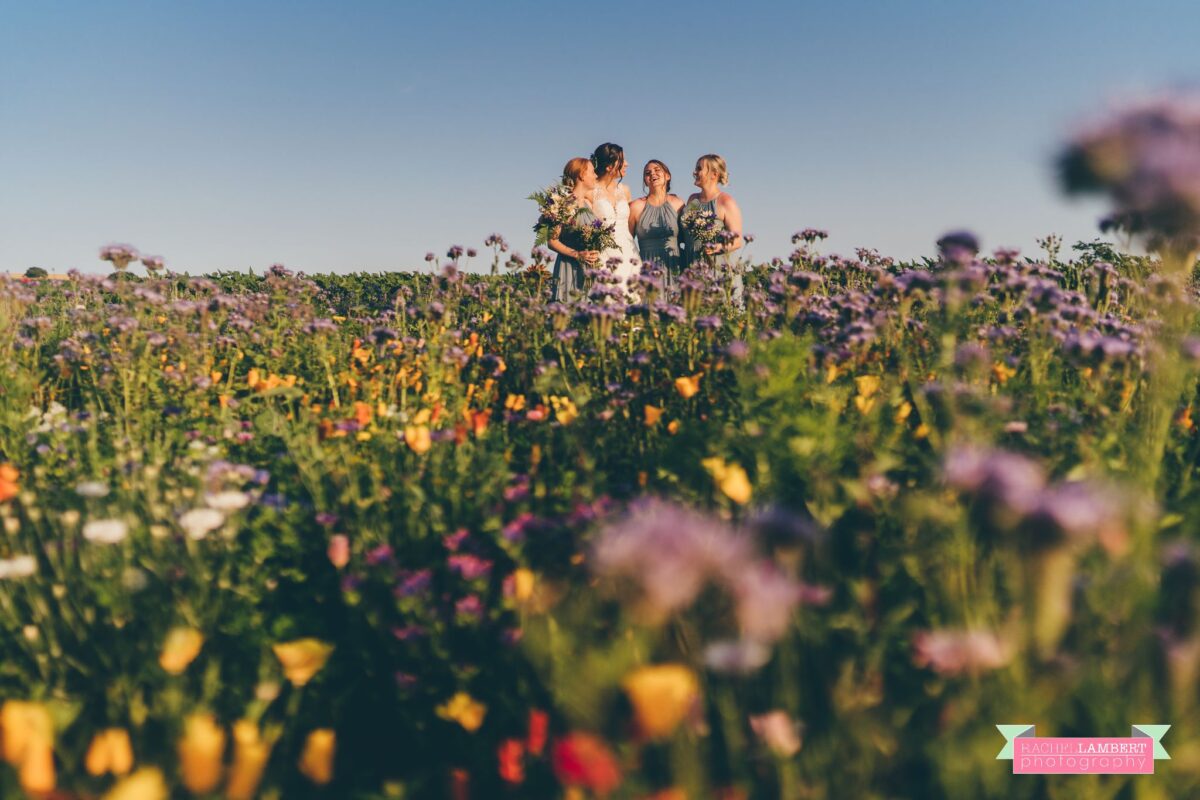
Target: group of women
[[647, 229]]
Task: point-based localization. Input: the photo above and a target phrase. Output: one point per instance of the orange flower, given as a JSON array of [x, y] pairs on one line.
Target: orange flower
[[110, 752], [36, 772], [362, 413], [688, 386], [302, 659], [511, 755], [418, 439], [479, 422], [316, 761], [200, 752], [250, 754], [25, 726], [8, 482], [652, 415], [661, 697], [181, 647]]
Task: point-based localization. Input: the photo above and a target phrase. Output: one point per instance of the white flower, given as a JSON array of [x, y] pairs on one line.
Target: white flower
[[17, 567], [200, 522], [232, 500], [105, 531], [91, 489], [737, 656]]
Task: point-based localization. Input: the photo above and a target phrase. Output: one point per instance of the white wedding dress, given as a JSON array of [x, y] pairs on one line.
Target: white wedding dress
[[625, 250]]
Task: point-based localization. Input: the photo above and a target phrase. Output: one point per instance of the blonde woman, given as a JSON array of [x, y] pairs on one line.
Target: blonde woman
[[710, 175], [567, 279]]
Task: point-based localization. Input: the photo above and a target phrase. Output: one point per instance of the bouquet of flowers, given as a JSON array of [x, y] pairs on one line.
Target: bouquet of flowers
[[701, 225], [557, 207], [595, 234]]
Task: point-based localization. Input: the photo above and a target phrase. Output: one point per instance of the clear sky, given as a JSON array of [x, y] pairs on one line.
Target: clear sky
[[355, 135]]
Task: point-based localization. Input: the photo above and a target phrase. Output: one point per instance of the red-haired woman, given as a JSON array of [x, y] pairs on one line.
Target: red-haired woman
[[567, 279]]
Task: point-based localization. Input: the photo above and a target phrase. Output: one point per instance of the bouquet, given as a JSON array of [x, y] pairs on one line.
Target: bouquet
[[595, 234], [557, 208], [702, 225]]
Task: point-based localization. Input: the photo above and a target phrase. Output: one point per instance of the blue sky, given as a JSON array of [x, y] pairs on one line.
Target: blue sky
[[359, 135]]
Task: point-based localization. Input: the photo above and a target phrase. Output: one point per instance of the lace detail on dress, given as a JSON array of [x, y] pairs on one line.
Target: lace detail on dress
[[618, 216]]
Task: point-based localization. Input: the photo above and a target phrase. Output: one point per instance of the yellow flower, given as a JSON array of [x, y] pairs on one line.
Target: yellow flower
[[110, 751], [867, 385], [200, 752], [418, 439], [302, 658], [731, 479], [1002, 372], [831, 373], [250, 754], [652, 414], [180, 649], [864, 404], [36, 773], [463, 709], [564, 410], [253, 378], [25, 726], [921, 432], [903, 411], [316, 760], [522, 584], [145, 784], [514, 402], [688, 386], [661, 696]]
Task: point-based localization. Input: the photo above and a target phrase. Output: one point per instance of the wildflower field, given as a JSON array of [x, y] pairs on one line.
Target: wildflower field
[[428, 535]]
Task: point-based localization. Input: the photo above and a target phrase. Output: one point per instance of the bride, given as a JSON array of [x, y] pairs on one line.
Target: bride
[[611, 203]]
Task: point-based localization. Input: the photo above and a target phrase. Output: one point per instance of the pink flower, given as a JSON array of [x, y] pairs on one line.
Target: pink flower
[[778, 732], [952, 652], [766, 598]]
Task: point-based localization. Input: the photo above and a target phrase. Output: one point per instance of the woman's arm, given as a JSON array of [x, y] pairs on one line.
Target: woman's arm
[[635, 211], [560, 247], [733, 222]]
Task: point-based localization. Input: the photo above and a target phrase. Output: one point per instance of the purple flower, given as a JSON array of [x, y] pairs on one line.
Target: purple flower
[[382, 554], [469, 606], [958, 247], [414, 582], [470, 567], [1010, 480], [766, 598], [455, 540]]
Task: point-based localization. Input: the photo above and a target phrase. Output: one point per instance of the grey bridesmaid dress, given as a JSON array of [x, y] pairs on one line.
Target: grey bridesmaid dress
[[567, 278], [657, 231]]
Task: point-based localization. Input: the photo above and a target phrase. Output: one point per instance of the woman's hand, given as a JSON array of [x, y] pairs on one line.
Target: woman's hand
[[713, 249], [590, 256]]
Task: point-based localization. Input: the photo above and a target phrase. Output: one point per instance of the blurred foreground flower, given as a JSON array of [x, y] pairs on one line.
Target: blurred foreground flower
[[954, 652], [110, 752], [8, 482], [730, 478], [302, 659], [316, 760], [1146, 156], [250, 754], [200, 753], [778, 732], [661, 697], [29, 744], [585, 761], [145, 784], [180, 649]]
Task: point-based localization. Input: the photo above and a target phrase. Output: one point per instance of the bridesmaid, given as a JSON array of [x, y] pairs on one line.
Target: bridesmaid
[[567, 279], [654, 220], [710, 175]]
